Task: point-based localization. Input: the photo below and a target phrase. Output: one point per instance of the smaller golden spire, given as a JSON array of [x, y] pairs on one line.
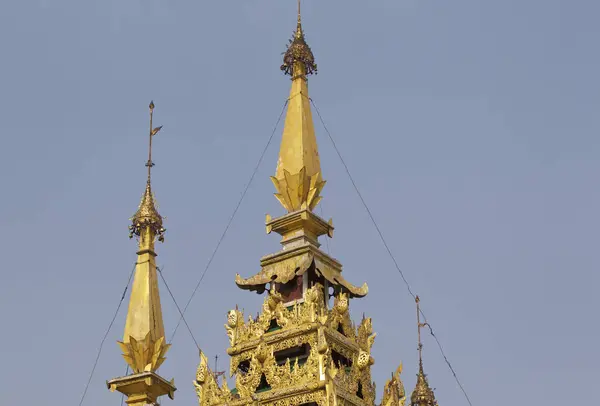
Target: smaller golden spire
[[144, 344], [423, 394], [147, 216]]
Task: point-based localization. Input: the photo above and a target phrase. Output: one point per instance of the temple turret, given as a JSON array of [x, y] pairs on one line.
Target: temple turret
[[144, 343]]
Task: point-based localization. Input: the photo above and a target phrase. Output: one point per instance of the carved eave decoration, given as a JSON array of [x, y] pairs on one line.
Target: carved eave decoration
[[284, 266]]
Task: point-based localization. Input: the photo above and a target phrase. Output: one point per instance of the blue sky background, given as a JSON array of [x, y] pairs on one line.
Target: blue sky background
[[471, 128]]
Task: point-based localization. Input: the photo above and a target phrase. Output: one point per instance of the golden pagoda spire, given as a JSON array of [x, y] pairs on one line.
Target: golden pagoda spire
[[300, 348], [298, 178], [144, 343], [298, 183], [423, 394]]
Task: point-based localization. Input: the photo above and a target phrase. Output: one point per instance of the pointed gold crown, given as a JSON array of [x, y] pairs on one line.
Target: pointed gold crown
[[147, 215], [423, 394], [298, 51]]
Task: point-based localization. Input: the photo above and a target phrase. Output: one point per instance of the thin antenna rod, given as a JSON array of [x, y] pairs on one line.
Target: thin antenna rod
[[150, 164], [299, 33], [419, 326]]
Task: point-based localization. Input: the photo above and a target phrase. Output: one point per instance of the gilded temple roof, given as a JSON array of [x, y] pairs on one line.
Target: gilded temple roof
[[295, 263]]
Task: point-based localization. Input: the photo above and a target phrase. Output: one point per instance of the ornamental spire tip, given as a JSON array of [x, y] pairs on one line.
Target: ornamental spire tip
[[298, 59], [147, 215], [423, 394]]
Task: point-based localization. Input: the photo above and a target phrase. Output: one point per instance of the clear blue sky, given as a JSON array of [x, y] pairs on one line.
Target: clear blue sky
[[471, 127]]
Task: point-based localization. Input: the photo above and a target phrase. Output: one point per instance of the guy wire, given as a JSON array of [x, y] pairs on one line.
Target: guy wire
[[388, 248]]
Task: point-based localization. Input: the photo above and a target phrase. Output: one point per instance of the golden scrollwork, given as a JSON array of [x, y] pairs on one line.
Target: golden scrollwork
[[234, 318], [263, 378], [207, 388], [311, 397], [273, 309], [339, 317]]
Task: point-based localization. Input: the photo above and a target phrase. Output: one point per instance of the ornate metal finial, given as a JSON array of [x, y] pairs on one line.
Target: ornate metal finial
[[298, 54], [147, 215], [423, 394]]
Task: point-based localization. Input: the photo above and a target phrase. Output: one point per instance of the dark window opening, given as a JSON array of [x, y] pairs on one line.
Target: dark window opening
[[300, 352], [340, 329], [263, 386], [359, 391], [340, 361], [291, 290], [273, 326], [244, 367]]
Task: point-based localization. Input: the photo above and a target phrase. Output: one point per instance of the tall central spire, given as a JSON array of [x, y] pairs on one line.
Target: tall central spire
[[144, 343], [298, 179]]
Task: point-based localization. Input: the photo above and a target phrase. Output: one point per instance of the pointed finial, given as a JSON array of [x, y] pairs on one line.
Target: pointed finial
[[153, 132], [299, 26], [422, 395], [419, 325], [147, 215], [298, 60]]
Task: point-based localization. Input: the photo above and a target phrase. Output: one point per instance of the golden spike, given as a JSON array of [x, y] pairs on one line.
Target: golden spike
[[422, 395], [144, 345], [419, 326], [143, 339], [299, 26], [147, 215]]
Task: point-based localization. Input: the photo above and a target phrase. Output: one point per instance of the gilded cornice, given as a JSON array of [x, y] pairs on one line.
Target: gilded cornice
[[285, 265]]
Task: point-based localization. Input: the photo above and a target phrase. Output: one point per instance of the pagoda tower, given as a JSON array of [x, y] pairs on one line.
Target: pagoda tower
[[302, 348], [144, 343]]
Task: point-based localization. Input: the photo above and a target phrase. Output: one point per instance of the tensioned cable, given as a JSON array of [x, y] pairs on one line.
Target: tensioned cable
[[160, 269], [262, 155], [389, 250], [106, 335]]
